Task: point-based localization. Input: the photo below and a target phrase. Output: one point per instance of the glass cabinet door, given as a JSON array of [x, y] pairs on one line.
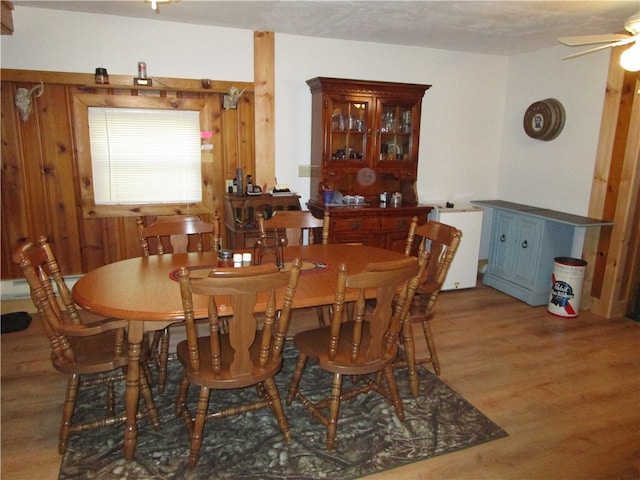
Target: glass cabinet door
[[348, 132], [394, 134]]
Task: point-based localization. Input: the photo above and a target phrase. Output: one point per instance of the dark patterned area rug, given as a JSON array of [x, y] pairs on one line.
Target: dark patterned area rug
[[370, 438]]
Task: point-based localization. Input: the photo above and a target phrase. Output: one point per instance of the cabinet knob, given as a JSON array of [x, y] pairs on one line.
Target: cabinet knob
[[355, 225], [525, 244], [503, 237]]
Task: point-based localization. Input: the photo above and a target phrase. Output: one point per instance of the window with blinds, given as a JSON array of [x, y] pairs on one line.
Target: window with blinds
[[145, 156]]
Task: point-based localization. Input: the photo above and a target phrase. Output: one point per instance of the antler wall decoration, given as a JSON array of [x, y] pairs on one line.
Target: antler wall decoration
[[230, 100], [24, 100]]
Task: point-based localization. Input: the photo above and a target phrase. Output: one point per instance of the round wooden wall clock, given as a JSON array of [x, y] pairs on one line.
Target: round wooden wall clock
[[544, 119]]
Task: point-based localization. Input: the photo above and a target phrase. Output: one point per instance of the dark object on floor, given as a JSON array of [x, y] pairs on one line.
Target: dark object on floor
[[15, 321]]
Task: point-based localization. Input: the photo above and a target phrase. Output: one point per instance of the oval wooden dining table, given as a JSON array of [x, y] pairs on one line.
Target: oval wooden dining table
[[145, 291]]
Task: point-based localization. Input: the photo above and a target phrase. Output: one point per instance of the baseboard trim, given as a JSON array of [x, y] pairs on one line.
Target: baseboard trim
[[18, 288]]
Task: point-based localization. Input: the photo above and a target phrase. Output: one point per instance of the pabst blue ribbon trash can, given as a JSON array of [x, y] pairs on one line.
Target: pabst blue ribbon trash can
[[566, 286]]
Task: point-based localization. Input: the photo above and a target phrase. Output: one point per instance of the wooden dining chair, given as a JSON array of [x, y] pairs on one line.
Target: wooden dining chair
[[81, 343], [290, 227], [441, 241], [178, 234], [294, 224], [174, 234], [357, 347], [246, 356]]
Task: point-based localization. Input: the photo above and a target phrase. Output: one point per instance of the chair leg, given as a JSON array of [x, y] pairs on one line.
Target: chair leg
[[393, 390], [111, 398], [334, 409], [320, 313], [410, 355], [147, 371], [154, 348], [181, 406], [163, 360], [428, 335], [295, 379], [276, 406], [67, 411], [198, 428], [145, 393]]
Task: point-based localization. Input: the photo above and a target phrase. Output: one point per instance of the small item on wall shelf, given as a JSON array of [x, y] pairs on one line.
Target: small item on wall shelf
[[544, 119], [102, 77], [142, 80]]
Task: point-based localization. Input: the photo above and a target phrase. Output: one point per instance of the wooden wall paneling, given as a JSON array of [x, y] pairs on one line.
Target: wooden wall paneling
[[58, 172], [230, 141], [634, 259], [7, 18], [93, 231], [246, 127], [213, 166], [28, 187], [608, 282], [41, 176], [211, 171], [614, 191], [110, 239], [592, 288], [129, 237], [626, 238], [13, 182], [92, 245], [238, 138], [34, 196], [264, 80]]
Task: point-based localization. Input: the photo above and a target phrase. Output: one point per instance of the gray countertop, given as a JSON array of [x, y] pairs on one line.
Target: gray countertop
[[575, 220]]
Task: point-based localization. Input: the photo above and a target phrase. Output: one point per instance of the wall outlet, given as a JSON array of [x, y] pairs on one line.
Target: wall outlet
[[304, 170]]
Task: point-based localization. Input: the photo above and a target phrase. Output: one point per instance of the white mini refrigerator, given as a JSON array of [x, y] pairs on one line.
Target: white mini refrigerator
[[463, 272]]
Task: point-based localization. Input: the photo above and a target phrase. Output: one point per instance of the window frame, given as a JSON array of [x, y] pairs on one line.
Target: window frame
[[81, 104]]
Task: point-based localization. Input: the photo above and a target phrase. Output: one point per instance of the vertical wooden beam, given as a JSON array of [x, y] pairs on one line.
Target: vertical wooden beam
[[264, 80], [612, 252], [7, 17]]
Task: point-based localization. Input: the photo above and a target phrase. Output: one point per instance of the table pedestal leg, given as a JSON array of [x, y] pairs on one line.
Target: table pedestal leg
[[132, 394]]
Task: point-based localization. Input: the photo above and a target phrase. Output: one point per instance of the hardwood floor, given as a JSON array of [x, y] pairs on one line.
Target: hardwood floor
[[566, 390]]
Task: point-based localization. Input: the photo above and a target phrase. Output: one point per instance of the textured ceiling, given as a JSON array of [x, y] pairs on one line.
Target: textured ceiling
[[492, 27]]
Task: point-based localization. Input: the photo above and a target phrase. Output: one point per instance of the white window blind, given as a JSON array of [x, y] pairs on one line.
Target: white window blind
[[145, 156]]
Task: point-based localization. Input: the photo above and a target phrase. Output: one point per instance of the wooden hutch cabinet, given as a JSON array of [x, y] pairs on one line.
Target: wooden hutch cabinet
[[364, 141]]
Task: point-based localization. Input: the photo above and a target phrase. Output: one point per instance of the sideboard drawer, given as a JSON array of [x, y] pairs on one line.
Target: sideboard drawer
[[385, 227], [366, 224], [395, 223]]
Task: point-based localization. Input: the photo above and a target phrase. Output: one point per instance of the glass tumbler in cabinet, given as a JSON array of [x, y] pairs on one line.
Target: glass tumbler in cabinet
[[395, 133], [348, 131]]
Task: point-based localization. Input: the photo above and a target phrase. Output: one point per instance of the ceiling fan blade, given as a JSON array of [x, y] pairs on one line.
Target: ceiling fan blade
[[591, 39], [602, 47]]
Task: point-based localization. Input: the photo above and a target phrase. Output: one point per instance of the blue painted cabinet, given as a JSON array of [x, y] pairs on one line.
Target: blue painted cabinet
[[525, 240], [522, 252]]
